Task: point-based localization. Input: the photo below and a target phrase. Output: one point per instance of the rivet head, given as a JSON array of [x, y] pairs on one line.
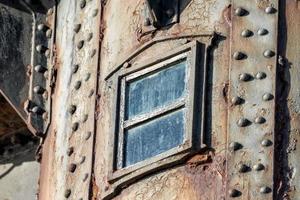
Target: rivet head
[[243, 168], [70, 151], [77, 85], [75, 68], [246, 33], [89, 37], [259, 120], [72, 168], [40, 48], [235, 146], [269, 53], [77, 28], [88, 135], [82, 4], [37, 110], [266, 143], [95, 12], [243, 122], [75, 126], [67, 193], [240, 12], [42, 27], [47, 53], [245, 77], [80, 44], [236, 100], [82, 159], [49, 33], [85, 118], [91, 93], [38, 89], [126, 64], [238, 55], [72, 109], [85, 177], [258, 167], [92, 53], [265, 190], [267, 97], [260, 75], [40, 69], [270, 10], [262, 31], [170, 12], [87, 76], [234, 193]]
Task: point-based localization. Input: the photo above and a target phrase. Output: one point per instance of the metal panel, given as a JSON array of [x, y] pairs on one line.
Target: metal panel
[[252, 108]]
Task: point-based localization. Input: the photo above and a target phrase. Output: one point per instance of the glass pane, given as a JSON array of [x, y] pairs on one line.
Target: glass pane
[[155, 90], [153, 138]]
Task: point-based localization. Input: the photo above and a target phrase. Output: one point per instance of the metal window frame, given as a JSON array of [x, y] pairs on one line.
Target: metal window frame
[[194, 53]]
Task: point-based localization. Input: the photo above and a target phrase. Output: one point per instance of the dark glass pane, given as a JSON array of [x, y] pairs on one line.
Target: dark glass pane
[[153, 138], [155, 90]]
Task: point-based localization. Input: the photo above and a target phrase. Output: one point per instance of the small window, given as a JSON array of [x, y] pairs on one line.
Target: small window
[[156, 110]]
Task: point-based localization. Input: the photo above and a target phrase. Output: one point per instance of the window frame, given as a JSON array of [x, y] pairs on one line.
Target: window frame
[[190, 52]]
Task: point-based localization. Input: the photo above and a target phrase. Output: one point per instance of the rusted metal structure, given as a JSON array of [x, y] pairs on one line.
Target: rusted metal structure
[[157, 99]]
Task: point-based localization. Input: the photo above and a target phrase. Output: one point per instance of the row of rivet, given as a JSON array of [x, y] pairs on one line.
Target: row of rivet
[[243, 122], [72, 167]]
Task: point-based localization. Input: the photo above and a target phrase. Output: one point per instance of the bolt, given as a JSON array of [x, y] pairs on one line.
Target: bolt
[[89, 37], [265, 189], [243, 122], [234, 193], [72, 168], [245, 77], [75, 126], [267, 97], [38, 89], [75, 68], [259, 120], [88, 135], [49, 33], [72, 109], [67, 193], [258, 167], [235, 146], [270, 10], [95, 12], [70, 151], [243, 168], [82, 4], [262, 31], [40, 69], [246, 33], [236, 100], [80, 44], [77, 85], [269, 53], [240, 11], [238, 55], [77, 28], [260, 75], [42, 27], [266, 143]]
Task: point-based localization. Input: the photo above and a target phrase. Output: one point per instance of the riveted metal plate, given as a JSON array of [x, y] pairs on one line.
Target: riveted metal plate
[[251, 120]]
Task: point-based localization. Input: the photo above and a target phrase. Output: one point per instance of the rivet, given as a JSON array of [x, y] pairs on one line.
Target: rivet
[[269, 53], [67, 193], [243, 122], [82, 4], [235, 146], [95, 12], [261, 75], [126, 64], [77, 28], [91, 93], [72, 109], [40, 69], [262, 31], [38, 89], [240, 11], [266, 143], [92, 53], [37, 110], [259, 120], [77, 85], [80, 44], [258, 167], [70, 151], [45, 116], [87, 76], [72, 168], [265, 190], [85, 118], [45, 94], [245, 77], [270, 10], [267, 97], [50, 11], [49, 33], [42, 27], [40, 48], [234, 193], [238, 55], [75, 126], [85, 177], [75, 68], [89, 37], [236, 100], [47, 53], [247, 33], [82, 159], [170, 12], [243, 168]]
